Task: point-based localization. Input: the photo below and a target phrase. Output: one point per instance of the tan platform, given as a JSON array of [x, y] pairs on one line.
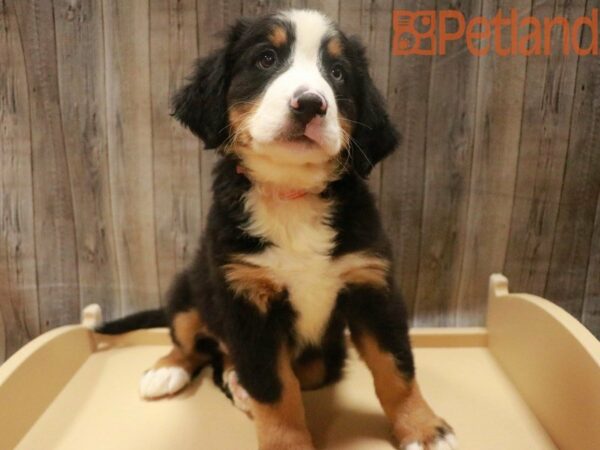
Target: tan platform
[[529, 381]]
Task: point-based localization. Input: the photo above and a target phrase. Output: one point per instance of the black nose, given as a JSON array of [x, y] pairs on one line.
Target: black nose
[[307, 105]]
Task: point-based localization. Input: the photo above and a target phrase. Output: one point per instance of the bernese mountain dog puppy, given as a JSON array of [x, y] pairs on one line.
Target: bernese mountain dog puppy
[[293, 251]]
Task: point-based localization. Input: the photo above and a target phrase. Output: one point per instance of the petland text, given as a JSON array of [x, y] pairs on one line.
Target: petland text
[[428, 33]]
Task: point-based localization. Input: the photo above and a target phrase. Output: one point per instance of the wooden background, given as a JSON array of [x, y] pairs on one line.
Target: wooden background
[[103, 195]]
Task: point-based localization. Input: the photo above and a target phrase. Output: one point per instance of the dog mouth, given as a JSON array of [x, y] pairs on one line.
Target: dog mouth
[[305, 143], [306, 137], [301, 139]]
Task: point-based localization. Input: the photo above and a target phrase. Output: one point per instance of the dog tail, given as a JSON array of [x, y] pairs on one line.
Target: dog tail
[[145, 319]]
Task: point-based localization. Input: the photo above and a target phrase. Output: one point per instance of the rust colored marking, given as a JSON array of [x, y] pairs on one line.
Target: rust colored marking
[[238, 118], [311, 374], [188, 362], [186, 327], [364, 269], [412, 418], [281, 425], [255, 283], [278, 36], [334, 47]]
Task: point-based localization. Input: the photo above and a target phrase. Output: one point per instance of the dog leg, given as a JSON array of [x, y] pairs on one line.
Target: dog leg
[[173, 372], [230, 384], [280, 424], [311, 373], [415, 424], [258, 333], [379, 331]]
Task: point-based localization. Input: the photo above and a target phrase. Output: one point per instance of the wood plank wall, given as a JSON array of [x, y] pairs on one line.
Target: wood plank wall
[[103, 195]]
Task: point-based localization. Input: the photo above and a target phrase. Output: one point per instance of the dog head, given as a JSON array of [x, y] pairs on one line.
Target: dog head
[[290, 90]]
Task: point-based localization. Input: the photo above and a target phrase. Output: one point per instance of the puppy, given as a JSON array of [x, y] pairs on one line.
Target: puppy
[[293, 251]]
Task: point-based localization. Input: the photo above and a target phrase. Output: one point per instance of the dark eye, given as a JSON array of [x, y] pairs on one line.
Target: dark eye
[[267, 59], [337, 73]]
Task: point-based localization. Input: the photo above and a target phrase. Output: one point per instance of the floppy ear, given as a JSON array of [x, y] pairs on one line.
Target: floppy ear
[[374, 136], [201, 105]]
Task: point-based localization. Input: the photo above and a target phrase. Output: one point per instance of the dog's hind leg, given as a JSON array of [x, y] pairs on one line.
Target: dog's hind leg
[[194, 347], [173, 372]]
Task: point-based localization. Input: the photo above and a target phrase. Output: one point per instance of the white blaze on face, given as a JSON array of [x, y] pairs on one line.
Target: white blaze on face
[[273, 114]]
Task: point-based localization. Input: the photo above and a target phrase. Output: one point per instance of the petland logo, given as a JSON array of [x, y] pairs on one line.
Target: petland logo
[[428, 32]]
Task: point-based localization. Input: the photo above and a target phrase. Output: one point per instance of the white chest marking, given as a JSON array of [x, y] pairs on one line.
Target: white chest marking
[[299, 256]]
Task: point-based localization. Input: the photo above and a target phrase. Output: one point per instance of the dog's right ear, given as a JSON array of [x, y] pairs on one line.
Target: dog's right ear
[[201, 104], [374, 135]]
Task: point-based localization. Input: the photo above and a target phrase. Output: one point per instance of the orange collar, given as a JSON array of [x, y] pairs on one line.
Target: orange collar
[[281, 194]]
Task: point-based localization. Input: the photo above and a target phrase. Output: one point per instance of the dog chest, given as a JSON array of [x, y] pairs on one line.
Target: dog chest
[[299, 257]]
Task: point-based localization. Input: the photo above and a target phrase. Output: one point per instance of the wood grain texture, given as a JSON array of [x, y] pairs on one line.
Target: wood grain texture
[[330, 7], [450, 135], [545, 125], [212, 19], [254, 8], [80, 62], [129, 131], [19, 318], [3, 336], [176, 152], [55, 242], [370, 20], [571, 251], [591, 299], [500, 88], [403, 173]]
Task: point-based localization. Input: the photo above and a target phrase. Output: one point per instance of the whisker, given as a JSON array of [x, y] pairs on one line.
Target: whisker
[[356, 122], [353, 141], [242, 102]]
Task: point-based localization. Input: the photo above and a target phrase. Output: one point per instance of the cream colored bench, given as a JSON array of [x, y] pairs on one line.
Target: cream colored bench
[[529, 380]]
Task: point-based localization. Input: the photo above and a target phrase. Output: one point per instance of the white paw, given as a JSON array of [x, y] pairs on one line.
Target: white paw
[[446, 442], [241, 399], [413, 446], [163, 381]]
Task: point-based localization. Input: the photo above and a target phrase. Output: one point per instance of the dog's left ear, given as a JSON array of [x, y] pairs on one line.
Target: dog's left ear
[[200, 105], [374, 137]]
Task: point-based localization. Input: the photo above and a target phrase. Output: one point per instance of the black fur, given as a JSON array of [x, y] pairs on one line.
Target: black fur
[[153, 318], [254, 338], [201, 105], [374, 136]]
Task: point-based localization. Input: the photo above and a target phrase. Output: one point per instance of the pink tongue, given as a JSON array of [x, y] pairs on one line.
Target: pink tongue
[[313, 130]]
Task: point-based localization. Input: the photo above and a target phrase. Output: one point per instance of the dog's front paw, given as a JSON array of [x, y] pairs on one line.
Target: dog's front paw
[[430, 434], [240, 397], [163, 381]]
